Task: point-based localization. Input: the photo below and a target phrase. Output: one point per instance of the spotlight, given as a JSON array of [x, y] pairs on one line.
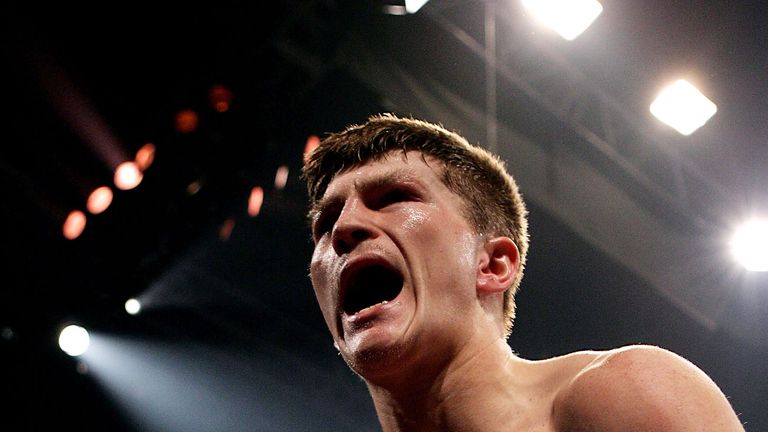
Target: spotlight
[[74, 340], [749, 245], [569, 18], [132, 306], [128, 175], [683, 106]]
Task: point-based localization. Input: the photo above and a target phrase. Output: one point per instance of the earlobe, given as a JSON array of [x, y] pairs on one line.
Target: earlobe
[[497, 268]]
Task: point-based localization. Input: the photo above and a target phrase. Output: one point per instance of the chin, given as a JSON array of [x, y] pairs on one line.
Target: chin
[[375, 361], [378, 367]]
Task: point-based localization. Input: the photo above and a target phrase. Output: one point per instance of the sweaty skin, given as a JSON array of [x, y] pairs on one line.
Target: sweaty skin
[[435, 357]]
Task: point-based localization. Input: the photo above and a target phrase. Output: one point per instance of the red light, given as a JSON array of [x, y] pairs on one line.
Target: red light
[[186, 121], [255, 201], [220, 98], [99, 200], [145, 156], [312, 142], [74, 225], [127, 175], [225, 231]]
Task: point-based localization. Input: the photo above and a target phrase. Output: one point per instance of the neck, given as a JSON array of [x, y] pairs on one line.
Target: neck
[[477, 390]]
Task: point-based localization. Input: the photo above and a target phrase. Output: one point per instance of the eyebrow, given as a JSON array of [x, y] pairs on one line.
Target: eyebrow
[[397, 175]]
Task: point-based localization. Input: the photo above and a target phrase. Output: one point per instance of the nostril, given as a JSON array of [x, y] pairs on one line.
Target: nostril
[[340, 246], [344, 240]]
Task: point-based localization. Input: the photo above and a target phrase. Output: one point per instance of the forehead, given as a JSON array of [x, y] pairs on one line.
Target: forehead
[[394, 166]]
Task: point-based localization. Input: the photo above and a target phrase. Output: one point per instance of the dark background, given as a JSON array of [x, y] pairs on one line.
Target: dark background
[[230, 337]]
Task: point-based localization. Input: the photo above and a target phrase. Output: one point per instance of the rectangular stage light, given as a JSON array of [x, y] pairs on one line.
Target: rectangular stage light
[[683, 106], [569, 18]]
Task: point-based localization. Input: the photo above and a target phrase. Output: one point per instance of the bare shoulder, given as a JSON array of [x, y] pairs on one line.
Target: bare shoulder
[[641, 388]]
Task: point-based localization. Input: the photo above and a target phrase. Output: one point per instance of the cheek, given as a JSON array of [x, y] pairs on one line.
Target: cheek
[[320, 275], [414, 218], [468, 249]]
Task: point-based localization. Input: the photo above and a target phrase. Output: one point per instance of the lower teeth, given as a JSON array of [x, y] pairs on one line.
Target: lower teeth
[[371, 307]]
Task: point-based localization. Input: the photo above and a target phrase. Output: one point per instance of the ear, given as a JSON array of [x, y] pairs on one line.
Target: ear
[[497, 265]]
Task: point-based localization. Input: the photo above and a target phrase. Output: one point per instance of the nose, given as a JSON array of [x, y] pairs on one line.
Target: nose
[[353, 226]]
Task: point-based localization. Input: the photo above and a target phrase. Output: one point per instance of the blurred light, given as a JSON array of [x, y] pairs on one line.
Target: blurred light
[[255, 201], [127, 175], [132, 306], [99, 200], [74, 225], [145, 156], [569, 18], [79, 113], [74, 340], [281, 176], [225, 231], [194, 187], [395, 10], [312, 142], [7, 333], [682, 106], [749, 245], [220, 98], [186, 121]]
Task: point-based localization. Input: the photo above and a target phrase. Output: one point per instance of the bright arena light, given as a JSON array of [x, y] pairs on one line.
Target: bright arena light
[[99, 200], [404, 7], [749, 245], [132, 306], [413, 6], [569, 18], [128, 175], [74, 340], [683, 106], [73, 225]]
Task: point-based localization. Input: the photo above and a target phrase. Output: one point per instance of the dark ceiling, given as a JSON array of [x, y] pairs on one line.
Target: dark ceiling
[[235, 311]]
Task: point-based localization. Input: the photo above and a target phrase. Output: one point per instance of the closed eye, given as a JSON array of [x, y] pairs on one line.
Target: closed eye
[[324, 222], [375, 197], [393, 196]]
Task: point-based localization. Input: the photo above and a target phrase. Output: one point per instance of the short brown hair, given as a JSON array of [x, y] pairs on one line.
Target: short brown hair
[[494, 205]]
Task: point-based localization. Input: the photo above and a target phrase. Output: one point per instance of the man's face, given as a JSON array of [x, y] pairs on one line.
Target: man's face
[[394, 264]]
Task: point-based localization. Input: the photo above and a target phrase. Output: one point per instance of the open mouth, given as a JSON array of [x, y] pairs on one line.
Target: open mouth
[[369, 286]]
